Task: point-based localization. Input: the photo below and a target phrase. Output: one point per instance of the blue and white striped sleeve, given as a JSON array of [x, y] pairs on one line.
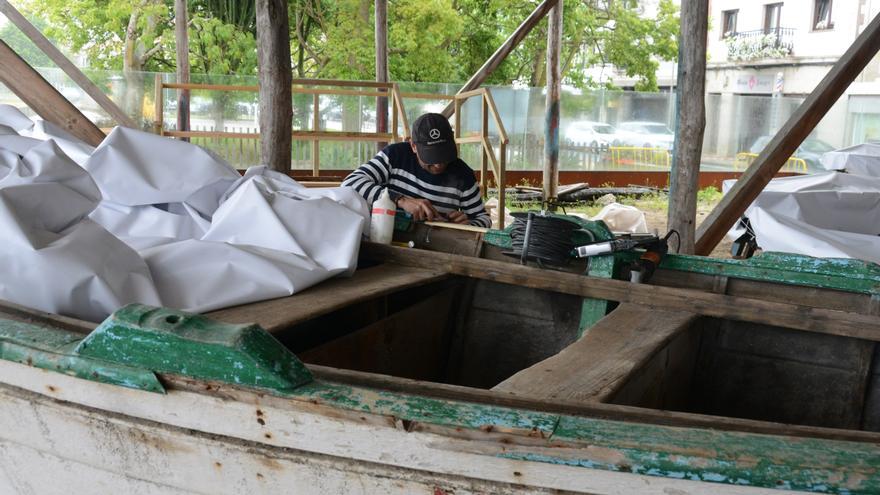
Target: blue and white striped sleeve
[[370, 178], [472, 205]]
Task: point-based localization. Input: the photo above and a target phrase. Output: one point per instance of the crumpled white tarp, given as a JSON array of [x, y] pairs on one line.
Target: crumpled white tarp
[[54, 258], [861, 159], [176, 227], [833, 215]]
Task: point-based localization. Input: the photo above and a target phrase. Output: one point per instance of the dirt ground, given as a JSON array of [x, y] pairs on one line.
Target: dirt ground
[[656, 219]]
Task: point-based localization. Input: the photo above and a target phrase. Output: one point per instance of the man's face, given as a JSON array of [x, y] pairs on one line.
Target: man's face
[[431, 168]]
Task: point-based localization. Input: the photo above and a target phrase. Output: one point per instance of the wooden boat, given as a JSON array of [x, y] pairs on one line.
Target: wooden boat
[[430, 372]]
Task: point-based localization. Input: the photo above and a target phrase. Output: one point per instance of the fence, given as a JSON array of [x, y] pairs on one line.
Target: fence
[[793, 164], [734, 123]]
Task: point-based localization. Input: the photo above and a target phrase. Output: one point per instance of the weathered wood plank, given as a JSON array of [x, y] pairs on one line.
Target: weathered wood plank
[[43, 98], [789, 137], [598, 364], [691, 89], [795, 316], [277, 314], [66, 65]]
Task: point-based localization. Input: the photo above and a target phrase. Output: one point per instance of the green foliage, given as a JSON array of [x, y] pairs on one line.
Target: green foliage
[[709, 195], [429, 40], [23, 46], [219, 48]]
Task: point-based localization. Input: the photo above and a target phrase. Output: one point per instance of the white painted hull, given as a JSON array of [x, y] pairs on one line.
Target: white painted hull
[[63, 435]]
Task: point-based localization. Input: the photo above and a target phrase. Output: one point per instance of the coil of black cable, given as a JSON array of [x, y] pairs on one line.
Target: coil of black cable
[[541, 238]]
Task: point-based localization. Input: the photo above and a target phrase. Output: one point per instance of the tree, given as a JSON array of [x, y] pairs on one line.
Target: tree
[[113, 34]]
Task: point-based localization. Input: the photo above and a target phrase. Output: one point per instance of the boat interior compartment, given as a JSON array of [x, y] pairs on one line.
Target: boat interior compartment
[[753, 371], [456, 331]]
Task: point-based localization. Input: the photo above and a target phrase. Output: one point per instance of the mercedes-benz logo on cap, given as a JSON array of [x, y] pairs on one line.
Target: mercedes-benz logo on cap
[[434, 134]]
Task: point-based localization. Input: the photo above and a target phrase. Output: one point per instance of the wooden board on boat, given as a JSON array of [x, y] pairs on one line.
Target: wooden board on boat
[[277, 314], [595, 366]]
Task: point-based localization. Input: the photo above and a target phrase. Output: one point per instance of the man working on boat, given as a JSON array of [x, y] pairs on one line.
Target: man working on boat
[[424, 177]]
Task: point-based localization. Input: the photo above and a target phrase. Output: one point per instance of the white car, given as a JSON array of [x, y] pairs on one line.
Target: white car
[[644, 135], [598, 135]]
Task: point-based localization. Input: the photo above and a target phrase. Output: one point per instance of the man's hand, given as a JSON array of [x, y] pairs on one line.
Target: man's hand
[[420, 209], [458, 217]]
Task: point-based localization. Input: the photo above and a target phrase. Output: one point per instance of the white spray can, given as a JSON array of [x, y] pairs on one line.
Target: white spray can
[[382, 219]]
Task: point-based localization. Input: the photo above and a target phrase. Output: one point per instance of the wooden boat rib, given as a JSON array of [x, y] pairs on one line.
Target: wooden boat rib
[[438, 378]]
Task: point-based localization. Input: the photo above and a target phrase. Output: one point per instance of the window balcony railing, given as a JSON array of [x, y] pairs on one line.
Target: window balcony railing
[[759, 44]]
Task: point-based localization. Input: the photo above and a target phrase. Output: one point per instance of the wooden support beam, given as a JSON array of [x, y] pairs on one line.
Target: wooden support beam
[[788, 315], [181, 38], [66, 65], [504, 50], [615, 347], [381, 33], [691, 117], [276, 99], [789, 137], [43, 98], [550, 184]]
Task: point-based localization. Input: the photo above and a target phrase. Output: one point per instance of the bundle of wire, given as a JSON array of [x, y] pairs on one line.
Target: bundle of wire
[[542, 238]]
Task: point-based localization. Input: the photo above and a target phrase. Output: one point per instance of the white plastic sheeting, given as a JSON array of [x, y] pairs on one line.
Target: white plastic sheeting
[[834, 215], [176, 227], [861, 159]]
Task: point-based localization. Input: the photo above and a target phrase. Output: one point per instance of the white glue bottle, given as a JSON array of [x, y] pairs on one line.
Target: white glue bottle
[[382, 219]]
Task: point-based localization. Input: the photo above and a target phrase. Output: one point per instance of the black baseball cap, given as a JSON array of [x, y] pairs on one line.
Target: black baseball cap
[[434, 139]]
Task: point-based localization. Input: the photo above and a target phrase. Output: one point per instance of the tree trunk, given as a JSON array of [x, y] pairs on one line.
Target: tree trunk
[[551, 120], [273, 53], [684, 179], [182, 42], [381, 66], [132, 69]]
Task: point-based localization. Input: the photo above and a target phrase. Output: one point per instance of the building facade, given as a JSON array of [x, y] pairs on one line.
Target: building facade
[[761, 49]]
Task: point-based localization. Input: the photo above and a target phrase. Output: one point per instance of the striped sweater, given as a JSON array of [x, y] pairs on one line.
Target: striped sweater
[[397, 168]]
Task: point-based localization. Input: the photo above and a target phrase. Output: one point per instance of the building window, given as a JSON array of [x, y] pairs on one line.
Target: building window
[[822, 15], [772, 15], [728, 26]]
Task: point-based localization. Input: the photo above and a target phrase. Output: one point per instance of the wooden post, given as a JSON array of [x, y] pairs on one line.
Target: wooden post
[[182, 44], [43, 98], [158, 105], [484, 156], [691, 116], [276, 104], [504, 50], [789, 137], [316, 144], [381, 66], [66, 65], [551, 119]]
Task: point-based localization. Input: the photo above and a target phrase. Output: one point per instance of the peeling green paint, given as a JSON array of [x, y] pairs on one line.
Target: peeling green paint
[[593, 310], [829, 273], [169, 341], [728, 457], [768, 461], [429, 410], [52, 349]]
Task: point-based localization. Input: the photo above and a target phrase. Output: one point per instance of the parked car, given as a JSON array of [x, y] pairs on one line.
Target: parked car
[[597, 135], [811, 151], [644, 135]]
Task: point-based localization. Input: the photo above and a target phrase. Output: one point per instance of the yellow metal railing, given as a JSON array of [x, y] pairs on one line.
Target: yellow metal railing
[[793, 164], [638, 157]]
